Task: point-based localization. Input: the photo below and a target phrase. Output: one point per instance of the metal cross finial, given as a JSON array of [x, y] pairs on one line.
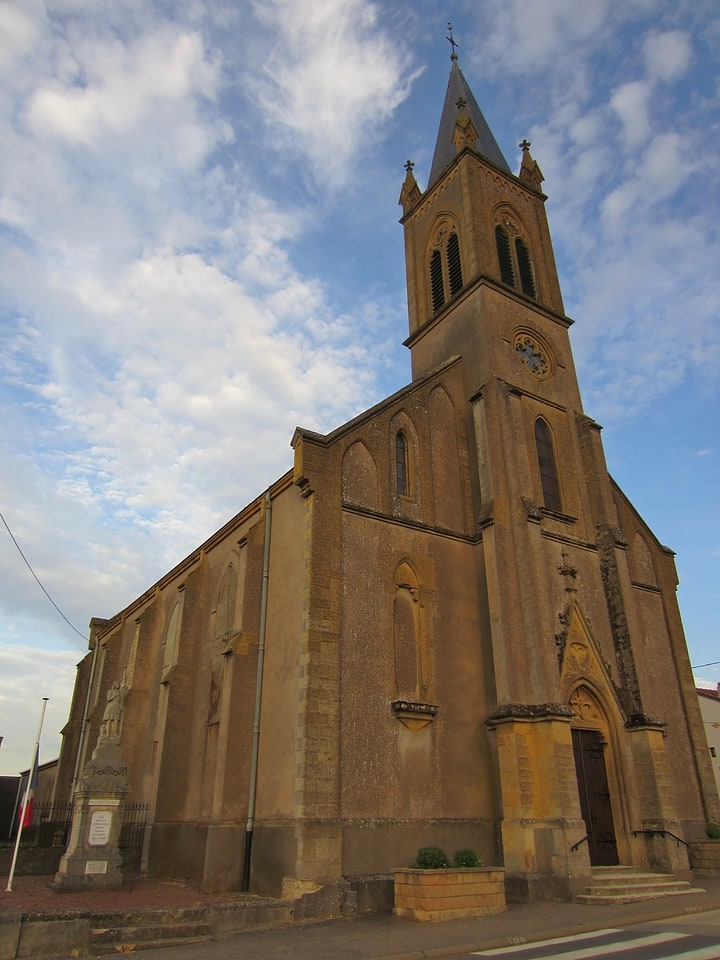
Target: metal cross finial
[[525, 145], [453, 44], [409, 166]]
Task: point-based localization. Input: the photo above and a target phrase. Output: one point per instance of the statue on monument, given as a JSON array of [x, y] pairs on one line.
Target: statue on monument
[[112, 717]]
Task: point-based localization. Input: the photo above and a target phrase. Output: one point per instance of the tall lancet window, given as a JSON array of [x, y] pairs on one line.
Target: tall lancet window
[[446, 276], [401, 465], [437, 285], [546, 464], [507, 271], [513, 253], [527, 279], [454, 265]]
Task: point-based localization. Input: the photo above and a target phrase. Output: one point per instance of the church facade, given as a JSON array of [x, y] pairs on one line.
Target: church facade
[[445, 625]]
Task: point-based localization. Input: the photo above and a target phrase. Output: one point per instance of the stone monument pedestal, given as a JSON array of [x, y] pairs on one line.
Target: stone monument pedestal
[[92, 859]]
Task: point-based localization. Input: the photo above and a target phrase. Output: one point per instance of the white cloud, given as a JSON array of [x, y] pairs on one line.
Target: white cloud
[[114, 87], [521, 42], [630, 102], [27, 674], [331, 77], [667, 55]]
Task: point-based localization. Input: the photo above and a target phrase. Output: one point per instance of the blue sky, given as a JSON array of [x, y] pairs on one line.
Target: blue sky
[[199, 251]]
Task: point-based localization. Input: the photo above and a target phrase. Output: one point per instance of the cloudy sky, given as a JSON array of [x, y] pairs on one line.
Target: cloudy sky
[[199, 250]]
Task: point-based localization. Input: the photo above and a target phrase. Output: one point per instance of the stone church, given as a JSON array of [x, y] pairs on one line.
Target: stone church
[[445, 625]]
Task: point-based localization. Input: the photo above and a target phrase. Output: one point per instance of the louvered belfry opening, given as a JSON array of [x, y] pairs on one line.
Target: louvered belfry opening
[[507, 271], [437, 284], [527, 280], [454, 265], [446, 278]]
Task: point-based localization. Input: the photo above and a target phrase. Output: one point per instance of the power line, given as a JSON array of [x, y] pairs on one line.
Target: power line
[[27, 564], [698, 666]]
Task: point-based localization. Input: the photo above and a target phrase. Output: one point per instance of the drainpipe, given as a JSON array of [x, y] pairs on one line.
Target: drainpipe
[[258, 698]]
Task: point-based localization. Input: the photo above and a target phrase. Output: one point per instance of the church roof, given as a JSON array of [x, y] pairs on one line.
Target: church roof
[[445, 150]]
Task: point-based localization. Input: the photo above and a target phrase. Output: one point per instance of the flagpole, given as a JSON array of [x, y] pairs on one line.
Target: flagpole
[[8, 888]]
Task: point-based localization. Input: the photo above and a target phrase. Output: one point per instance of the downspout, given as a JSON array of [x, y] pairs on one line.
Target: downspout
[[258, 698]]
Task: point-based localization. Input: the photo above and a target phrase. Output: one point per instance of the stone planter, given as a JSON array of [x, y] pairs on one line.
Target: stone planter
[[706, 857], [449, 893]]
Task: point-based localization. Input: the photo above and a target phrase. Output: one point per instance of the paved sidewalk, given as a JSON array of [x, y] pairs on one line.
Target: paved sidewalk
[[389, 938], [369, 938]]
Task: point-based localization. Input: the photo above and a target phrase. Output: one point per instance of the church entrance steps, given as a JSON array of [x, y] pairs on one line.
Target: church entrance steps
[[125, 933], [625, 885]]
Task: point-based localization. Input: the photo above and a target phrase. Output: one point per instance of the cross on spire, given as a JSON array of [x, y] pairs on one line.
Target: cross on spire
[[453, 44], [525, 145]]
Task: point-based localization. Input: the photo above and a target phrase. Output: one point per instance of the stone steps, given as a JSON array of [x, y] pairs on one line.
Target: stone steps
[[126, 933], [624, 885]]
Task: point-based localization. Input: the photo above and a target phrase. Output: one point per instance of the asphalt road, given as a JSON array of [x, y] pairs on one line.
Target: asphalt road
[[683, 938], [687, 936]]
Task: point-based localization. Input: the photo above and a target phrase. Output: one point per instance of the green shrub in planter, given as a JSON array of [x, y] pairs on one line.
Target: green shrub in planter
[[466, 858], [713, 831], [430, 858]]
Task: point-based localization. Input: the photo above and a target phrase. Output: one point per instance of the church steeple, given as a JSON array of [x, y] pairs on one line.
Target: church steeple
[[477, 243], [459, 96]]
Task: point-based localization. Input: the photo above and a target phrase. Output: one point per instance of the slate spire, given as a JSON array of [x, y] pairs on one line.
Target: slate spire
[[445, 146]]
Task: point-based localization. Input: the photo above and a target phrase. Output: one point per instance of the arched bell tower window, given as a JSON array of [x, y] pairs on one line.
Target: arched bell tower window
[[507, 271], [446, 277], [546, 465], [401, 465], [436, 281], [514, 260], [527, 280], [454, 266]]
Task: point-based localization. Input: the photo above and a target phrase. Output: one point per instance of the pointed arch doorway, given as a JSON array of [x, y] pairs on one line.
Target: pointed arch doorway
[[595, 801], [590, 740]]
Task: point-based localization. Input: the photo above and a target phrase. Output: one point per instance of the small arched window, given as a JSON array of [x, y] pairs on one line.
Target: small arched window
[[446, 278], [401, 465], [546, 465]]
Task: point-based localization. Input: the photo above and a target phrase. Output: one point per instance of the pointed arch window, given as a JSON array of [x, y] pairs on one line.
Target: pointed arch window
[[547, 467], [437, 284], [507, 271], [401, 465], [446, 276], [527, 280], [515, 262], [454, 265]]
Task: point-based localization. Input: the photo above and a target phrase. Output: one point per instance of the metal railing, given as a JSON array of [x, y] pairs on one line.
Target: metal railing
[[51, 822]]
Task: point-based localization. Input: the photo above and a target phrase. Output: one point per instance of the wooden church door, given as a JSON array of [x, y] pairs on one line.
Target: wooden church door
[[589, 750]]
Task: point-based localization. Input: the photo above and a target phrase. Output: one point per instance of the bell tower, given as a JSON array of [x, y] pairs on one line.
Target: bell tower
[[552, 527], [478, 250]]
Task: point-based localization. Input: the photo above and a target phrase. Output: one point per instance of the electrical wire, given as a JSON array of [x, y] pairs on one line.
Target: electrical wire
[[27, 564], [698, 666]]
